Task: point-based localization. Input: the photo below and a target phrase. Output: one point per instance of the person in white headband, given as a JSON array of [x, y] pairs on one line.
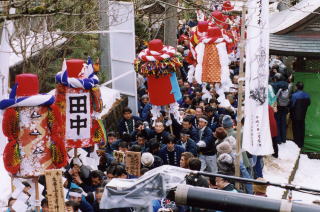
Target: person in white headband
[[76, 195]]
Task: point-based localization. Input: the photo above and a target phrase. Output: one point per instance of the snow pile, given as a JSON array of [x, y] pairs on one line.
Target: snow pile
[[278, 170], [109, 96], [307, 175]]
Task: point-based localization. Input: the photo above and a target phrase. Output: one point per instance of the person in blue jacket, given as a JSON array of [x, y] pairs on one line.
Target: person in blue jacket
[[187, 143], [171, 152], [300, 102]]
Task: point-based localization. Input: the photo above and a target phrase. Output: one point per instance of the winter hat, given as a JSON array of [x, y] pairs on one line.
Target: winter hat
[[147, 159], [220, 133], [227, 121], [224, 147], [225, 164], [258, 188]]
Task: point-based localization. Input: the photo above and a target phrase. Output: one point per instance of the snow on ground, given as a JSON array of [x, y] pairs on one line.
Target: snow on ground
[[307, 175], [278, 170]]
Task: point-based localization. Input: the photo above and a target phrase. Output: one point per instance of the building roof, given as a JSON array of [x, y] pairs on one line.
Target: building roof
[[290, 45], [293, 17]]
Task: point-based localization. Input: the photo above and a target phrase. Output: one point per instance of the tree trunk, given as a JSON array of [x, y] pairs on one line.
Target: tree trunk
[[171, 24], [104, 40]]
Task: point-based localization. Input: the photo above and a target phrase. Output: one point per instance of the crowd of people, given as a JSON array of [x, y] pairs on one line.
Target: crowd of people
[[205, 139]]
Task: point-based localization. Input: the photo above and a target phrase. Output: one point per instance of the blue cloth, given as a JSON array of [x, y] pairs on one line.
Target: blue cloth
[[87, 83], [280, 84], [156, 205], [85, 206], [207, 137], [281, 118], [144, 114], [297, 96], [258, 166], [164, 155], [175, 87], [245, 174], [191, 146]]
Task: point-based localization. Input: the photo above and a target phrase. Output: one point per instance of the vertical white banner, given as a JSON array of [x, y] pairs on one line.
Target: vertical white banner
[[256, 134]]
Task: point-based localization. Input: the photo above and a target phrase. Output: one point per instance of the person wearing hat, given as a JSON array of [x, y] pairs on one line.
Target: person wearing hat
[[187, 143], [227, 124], [226, 167], [206, 146], [147, 160]]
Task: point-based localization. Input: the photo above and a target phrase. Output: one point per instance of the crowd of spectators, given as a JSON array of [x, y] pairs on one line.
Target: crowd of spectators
[[205, 140]]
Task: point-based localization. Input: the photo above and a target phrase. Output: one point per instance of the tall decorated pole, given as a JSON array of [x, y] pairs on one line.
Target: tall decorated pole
[[159, 64], [79, 99], [32, 124], [256, 132]]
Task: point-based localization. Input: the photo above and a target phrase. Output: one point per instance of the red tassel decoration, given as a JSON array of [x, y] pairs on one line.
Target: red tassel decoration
[[11, 157], [96, 99], [58, 150], [10, 124]]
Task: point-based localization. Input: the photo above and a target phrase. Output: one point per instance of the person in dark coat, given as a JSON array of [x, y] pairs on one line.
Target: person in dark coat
[[75, 195], [187, 124], [127, 124], [159, 133], [206, 146], [95, 181], [171, 152], [187, 143], [300, 102], [196, 180]]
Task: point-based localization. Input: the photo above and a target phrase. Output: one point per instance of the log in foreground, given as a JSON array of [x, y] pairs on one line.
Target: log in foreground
[[231, 201]]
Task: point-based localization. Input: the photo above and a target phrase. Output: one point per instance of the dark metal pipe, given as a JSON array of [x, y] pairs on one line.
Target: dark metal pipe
[[231, 201], [246, 180]]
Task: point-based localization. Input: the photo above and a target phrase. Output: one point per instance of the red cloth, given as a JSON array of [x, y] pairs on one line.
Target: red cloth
[[160, 90], [273, 123]]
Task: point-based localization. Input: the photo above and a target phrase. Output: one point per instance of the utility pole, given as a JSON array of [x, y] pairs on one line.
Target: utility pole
[[171, 23], [104, 40], [240, 91]]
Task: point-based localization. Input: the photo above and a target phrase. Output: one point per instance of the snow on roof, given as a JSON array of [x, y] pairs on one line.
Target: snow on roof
[[34, 43], [283, 20]]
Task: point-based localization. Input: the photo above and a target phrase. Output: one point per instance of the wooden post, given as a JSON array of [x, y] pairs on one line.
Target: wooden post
[[75, 153], [36, 182], [240, 91]]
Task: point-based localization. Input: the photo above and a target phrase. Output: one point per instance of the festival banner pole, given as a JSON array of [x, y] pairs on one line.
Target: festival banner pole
[[240, 91], [36, 182]]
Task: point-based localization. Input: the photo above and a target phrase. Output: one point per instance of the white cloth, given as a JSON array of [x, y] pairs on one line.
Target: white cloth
[[256, 133]]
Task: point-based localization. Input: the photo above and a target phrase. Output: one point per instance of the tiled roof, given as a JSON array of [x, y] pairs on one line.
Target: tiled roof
[[294, 45]]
